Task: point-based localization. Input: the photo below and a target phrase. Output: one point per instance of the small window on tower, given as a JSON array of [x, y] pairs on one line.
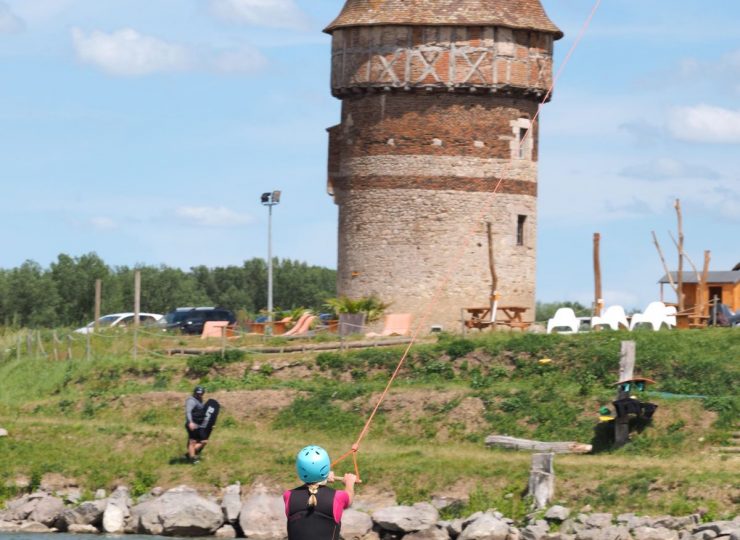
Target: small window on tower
[[523, 143], [521, 220]]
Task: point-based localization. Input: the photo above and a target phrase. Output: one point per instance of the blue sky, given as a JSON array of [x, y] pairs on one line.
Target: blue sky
[[145, 130]]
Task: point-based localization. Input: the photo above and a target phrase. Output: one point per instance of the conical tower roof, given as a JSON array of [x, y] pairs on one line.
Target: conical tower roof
[[519, 14]]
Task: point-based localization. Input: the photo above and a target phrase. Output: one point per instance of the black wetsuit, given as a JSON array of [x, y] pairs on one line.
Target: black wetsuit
[[315, 523]]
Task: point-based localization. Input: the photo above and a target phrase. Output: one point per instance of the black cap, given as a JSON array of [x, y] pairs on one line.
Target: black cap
[[199, 390]]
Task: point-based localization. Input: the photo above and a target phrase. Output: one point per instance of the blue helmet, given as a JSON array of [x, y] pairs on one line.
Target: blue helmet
[[313, 464]]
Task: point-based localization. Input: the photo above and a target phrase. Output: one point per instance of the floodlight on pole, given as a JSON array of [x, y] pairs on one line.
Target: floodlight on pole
[[269, 200]]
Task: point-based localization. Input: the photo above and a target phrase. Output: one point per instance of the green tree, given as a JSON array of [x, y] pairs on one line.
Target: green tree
[[74, 280]]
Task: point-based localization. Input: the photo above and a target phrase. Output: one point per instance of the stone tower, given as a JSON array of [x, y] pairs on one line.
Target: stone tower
[[437, 96]]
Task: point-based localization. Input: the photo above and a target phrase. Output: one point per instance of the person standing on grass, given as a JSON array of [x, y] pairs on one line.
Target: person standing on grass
[[194, 414], [314, 511]]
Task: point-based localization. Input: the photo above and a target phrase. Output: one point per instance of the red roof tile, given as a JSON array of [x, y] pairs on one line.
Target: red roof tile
[[523, 14]]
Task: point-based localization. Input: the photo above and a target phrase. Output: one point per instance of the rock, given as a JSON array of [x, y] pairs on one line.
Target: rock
[[455, 527], [650, 533], [586, 509], [227, 531], [557, 513], [611, 532], [3, 432], [156, 491], [232, 502], [100, 494], [406, 519], [33, 527], [598, 521], [20, 509], [707, 534], [432, 533], [262, 517], [721, 528], [82, 529], [88, 513], [676, 523], [534, 532], [485, 527], [47, 511], [442, 501], [178, 512], [72, 495], [372, 535], [355, 525], [117, 511]]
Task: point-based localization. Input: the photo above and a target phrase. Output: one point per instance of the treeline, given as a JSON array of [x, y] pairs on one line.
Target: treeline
[[63, 294]]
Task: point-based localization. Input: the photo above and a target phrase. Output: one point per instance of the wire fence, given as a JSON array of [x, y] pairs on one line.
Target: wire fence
[[151, 342]]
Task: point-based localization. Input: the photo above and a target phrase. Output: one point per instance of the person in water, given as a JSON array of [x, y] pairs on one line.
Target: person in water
[[314, 510], [194, 414]]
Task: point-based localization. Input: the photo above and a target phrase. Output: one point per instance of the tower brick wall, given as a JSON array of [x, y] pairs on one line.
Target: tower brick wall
[[432, 121]]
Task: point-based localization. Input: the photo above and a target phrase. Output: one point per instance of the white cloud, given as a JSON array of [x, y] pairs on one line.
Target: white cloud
[[102, 223], [207, 216], [667, 169], [9, 22], [705, 123], [126, 52], [271, 13], [242, 60]]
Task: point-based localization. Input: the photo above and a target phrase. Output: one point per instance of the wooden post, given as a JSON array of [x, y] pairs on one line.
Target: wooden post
[[494, 276], [40, 344], [541, 480], [87, 346], [98, 300], [223, 342], [29, 344], [680, 256], [665, 266], [702, 307], [598, 297], [137, 309], [19, 343], [55, 341], [69, 347], [626, 372]]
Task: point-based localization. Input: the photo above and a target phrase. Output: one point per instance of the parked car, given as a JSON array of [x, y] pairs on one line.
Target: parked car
[[120, 320], [191, 320]]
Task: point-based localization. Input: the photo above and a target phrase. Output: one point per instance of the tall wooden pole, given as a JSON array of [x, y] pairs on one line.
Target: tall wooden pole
[[494, 276], [137, 309], [98, 298], [702, 292], [598, 298], [665, 266], [680, 255]]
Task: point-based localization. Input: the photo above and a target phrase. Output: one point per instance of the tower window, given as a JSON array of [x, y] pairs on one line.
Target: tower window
[[523, 143], [520, 221]]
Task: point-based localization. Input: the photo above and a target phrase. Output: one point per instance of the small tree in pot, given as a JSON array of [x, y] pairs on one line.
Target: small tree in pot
[[354, 313]]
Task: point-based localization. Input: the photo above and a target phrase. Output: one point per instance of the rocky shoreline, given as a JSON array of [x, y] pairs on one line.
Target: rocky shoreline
[[260, 515]]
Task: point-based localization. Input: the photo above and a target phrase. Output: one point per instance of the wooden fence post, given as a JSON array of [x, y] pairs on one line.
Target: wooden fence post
[[18, 348], [541, 480], [626, 372], [69, 347]]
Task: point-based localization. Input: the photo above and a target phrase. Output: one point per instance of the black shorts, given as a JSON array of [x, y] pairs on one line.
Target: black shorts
[[197, 434]]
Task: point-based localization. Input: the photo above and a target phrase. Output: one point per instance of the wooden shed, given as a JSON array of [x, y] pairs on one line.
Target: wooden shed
[[723, 285]]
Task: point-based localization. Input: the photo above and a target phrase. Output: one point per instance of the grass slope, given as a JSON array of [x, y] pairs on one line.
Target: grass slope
[[111, 419]]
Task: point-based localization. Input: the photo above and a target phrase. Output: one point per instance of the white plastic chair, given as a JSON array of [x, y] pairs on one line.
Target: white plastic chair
[[564, 318], [612, 317], [656, 314]]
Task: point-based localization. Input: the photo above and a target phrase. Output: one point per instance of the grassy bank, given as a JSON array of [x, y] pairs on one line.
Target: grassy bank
[[111, 419]]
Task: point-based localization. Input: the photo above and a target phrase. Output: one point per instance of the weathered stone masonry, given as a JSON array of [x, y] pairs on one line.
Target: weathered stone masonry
[[436, 96]]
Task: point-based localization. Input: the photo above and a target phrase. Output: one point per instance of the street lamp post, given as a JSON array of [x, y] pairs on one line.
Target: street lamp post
[[269, 200]]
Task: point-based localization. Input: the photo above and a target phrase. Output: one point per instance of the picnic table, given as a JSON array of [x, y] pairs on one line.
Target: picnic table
[[513, 317], [480, 317]]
